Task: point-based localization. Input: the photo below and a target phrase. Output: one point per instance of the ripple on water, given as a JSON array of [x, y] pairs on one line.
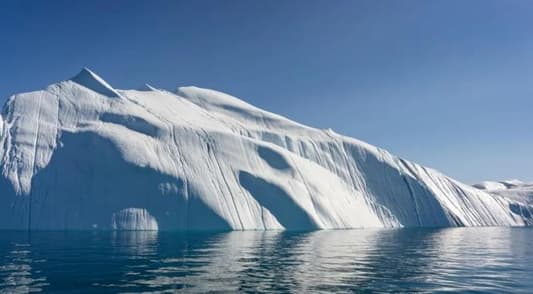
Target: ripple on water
[[405, 260]]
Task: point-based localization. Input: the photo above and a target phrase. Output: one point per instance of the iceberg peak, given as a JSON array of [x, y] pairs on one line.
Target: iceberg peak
[[92, 81]]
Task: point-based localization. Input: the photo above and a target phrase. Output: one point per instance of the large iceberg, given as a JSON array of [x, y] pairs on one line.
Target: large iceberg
[[83, 155]]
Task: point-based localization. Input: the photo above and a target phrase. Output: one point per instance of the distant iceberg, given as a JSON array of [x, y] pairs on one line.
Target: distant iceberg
[[83, 155]]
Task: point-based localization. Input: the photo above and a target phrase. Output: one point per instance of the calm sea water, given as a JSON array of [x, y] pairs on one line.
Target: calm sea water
[[404, 260]]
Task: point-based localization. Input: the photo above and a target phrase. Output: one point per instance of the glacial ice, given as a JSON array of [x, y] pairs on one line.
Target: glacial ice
[[83, 155], [512, 189]]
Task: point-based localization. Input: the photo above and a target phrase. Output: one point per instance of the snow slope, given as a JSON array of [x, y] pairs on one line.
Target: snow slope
[[83, 155], [513, 189], [520, 193]]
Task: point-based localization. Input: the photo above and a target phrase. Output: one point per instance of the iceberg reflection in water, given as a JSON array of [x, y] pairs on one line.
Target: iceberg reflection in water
[[459, 259]]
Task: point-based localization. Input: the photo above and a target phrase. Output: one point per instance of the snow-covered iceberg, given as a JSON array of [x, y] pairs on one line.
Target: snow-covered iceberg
[[83, 155], [521, 193]]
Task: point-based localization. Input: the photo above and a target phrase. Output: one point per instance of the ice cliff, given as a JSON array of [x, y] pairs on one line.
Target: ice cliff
[[83, 155]]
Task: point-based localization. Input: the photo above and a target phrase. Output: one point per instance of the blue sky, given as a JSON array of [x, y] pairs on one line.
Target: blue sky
[[448, 84]]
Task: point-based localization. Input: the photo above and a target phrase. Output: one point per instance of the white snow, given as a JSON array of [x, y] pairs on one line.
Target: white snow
[[511, 189], [93, 82], [81, 155], [490, 186], [501, 185]]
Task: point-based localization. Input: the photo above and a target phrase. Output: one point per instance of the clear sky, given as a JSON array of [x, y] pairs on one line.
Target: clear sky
[[448, 84]]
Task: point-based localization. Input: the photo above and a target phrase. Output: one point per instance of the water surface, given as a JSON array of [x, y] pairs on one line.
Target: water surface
[[404, 260]]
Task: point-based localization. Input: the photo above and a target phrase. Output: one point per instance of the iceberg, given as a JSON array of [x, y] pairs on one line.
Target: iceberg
[[520, 192], [81, 154]]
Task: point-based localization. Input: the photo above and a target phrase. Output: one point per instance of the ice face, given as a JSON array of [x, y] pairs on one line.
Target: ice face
[[83, 155]]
